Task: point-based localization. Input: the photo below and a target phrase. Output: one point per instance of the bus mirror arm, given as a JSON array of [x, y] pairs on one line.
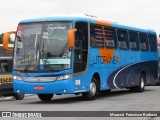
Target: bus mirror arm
[[71, 38]]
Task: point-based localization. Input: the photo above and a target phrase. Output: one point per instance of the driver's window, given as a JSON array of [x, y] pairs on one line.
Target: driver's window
[[78, 49]]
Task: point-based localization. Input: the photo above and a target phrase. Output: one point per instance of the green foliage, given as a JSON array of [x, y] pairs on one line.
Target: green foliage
[[1, 38], [11, 42]]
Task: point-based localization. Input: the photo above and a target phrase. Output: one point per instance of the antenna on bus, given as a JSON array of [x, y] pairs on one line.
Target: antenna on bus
[[91, 16], [108, 20]]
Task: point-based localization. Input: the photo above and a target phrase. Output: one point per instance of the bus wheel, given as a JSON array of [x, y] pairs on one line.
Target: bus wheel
[[92, 94], [19, 96], [45, 97], [141, 86]]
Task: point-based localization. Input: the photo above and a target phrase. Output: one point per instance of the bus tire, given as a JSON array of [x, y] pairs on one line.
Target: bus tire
[[19, 96], [45, 97], [141, 86], [92, 94]]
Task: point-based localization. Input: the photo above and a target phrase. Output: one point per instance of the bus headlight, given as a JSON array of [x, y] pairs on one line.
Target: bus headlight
[[17, 78], [64, 77]]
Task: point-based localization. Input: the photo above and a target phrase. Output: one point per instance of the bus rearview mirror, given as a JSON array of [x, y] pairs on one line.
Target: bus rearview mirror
[[6, 38], [71, 38]]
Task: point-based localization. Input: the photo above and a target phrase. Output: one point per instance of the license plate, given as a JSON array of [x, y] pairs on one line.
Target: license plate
[[39, 87]]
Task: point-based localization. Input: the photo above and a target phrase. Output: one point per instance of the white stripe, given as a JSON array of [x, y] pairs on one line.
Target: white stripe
[[81, 91], [114, 79]]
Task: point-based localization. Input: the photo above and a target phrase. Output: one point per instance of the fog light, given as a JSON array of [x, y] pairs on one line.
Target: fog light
[[18, 91], [64, 90]]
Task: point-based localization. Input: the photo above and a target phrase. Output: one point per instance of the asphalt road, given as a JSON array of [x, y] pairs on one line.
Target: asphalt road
[[117, 100]]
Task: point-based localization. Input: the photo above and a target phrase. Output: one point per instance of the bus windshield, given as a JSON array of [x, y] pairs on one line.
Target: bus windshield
[[42, 46]]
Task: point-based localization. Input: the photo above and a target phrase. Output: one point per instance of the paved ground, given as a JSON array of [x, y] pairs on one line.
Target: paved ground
[[117, 100]]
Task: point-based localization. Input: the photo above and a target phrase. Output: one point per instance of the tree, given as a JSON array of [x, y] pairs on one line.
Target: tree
[[1, 38]]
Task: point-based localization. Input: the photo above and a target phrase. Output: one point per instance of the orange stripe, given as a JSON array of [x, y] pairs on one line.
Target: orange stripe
[[21, 73], [102, 22], [106, 53]]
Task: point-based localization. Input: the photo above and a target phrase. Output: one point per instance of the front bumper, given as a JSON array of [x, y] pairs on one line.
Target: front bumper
[[56, 87]]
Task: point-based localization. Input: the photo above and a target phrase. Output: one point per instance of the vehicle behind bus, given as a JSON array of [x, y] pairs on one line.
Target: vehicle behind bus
[[6, 86], [6, 60]]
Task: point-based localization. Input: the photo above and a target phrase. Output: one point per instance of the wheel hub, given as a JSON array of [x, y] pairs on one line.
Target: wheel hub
[[93, 88]]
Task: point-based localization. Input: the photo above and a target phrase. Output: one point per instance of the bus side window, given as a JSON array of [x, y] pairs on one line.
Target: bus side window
[[102, 37], [143, 42], [122, 39], [110, 37], [96, 39], [133, 40], [152, 42]]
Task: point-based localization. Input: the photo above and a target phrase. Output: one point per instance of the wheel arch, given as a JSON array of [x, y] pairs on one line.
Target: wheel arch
[[97, 76]]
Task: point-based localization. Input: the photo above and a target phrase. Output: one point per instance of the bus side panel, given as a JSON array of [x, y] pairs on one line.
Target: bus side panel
[[152, 73], [124, 69], [129, 75], [105, 70]]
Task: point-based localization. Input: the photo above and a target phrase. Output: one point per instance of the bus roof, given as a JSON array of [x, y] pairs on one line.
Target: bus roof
[[84, 17]]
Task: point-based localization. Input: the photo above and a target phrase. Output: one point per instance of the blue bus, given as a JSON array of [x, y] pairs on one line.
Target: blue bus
[[82, 55]]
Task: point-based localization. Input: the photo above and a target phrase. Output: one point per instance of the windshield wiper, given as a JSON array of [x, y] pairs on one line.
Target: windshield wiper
[[31, 59], [33, 56]]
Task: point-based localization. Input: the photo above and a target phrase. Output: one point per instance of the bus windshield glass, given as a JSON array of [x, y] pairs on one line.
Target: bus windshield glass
[[42, 47]]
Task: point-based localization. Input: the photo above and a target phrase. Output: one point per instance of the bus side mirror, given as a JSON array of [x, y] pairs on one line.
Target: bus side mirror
[[6, 38], [71, 38]]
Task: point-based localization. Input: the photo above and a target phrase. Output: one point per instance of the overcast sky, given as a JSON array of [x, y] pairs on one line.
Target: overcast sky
[[138, 13]]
